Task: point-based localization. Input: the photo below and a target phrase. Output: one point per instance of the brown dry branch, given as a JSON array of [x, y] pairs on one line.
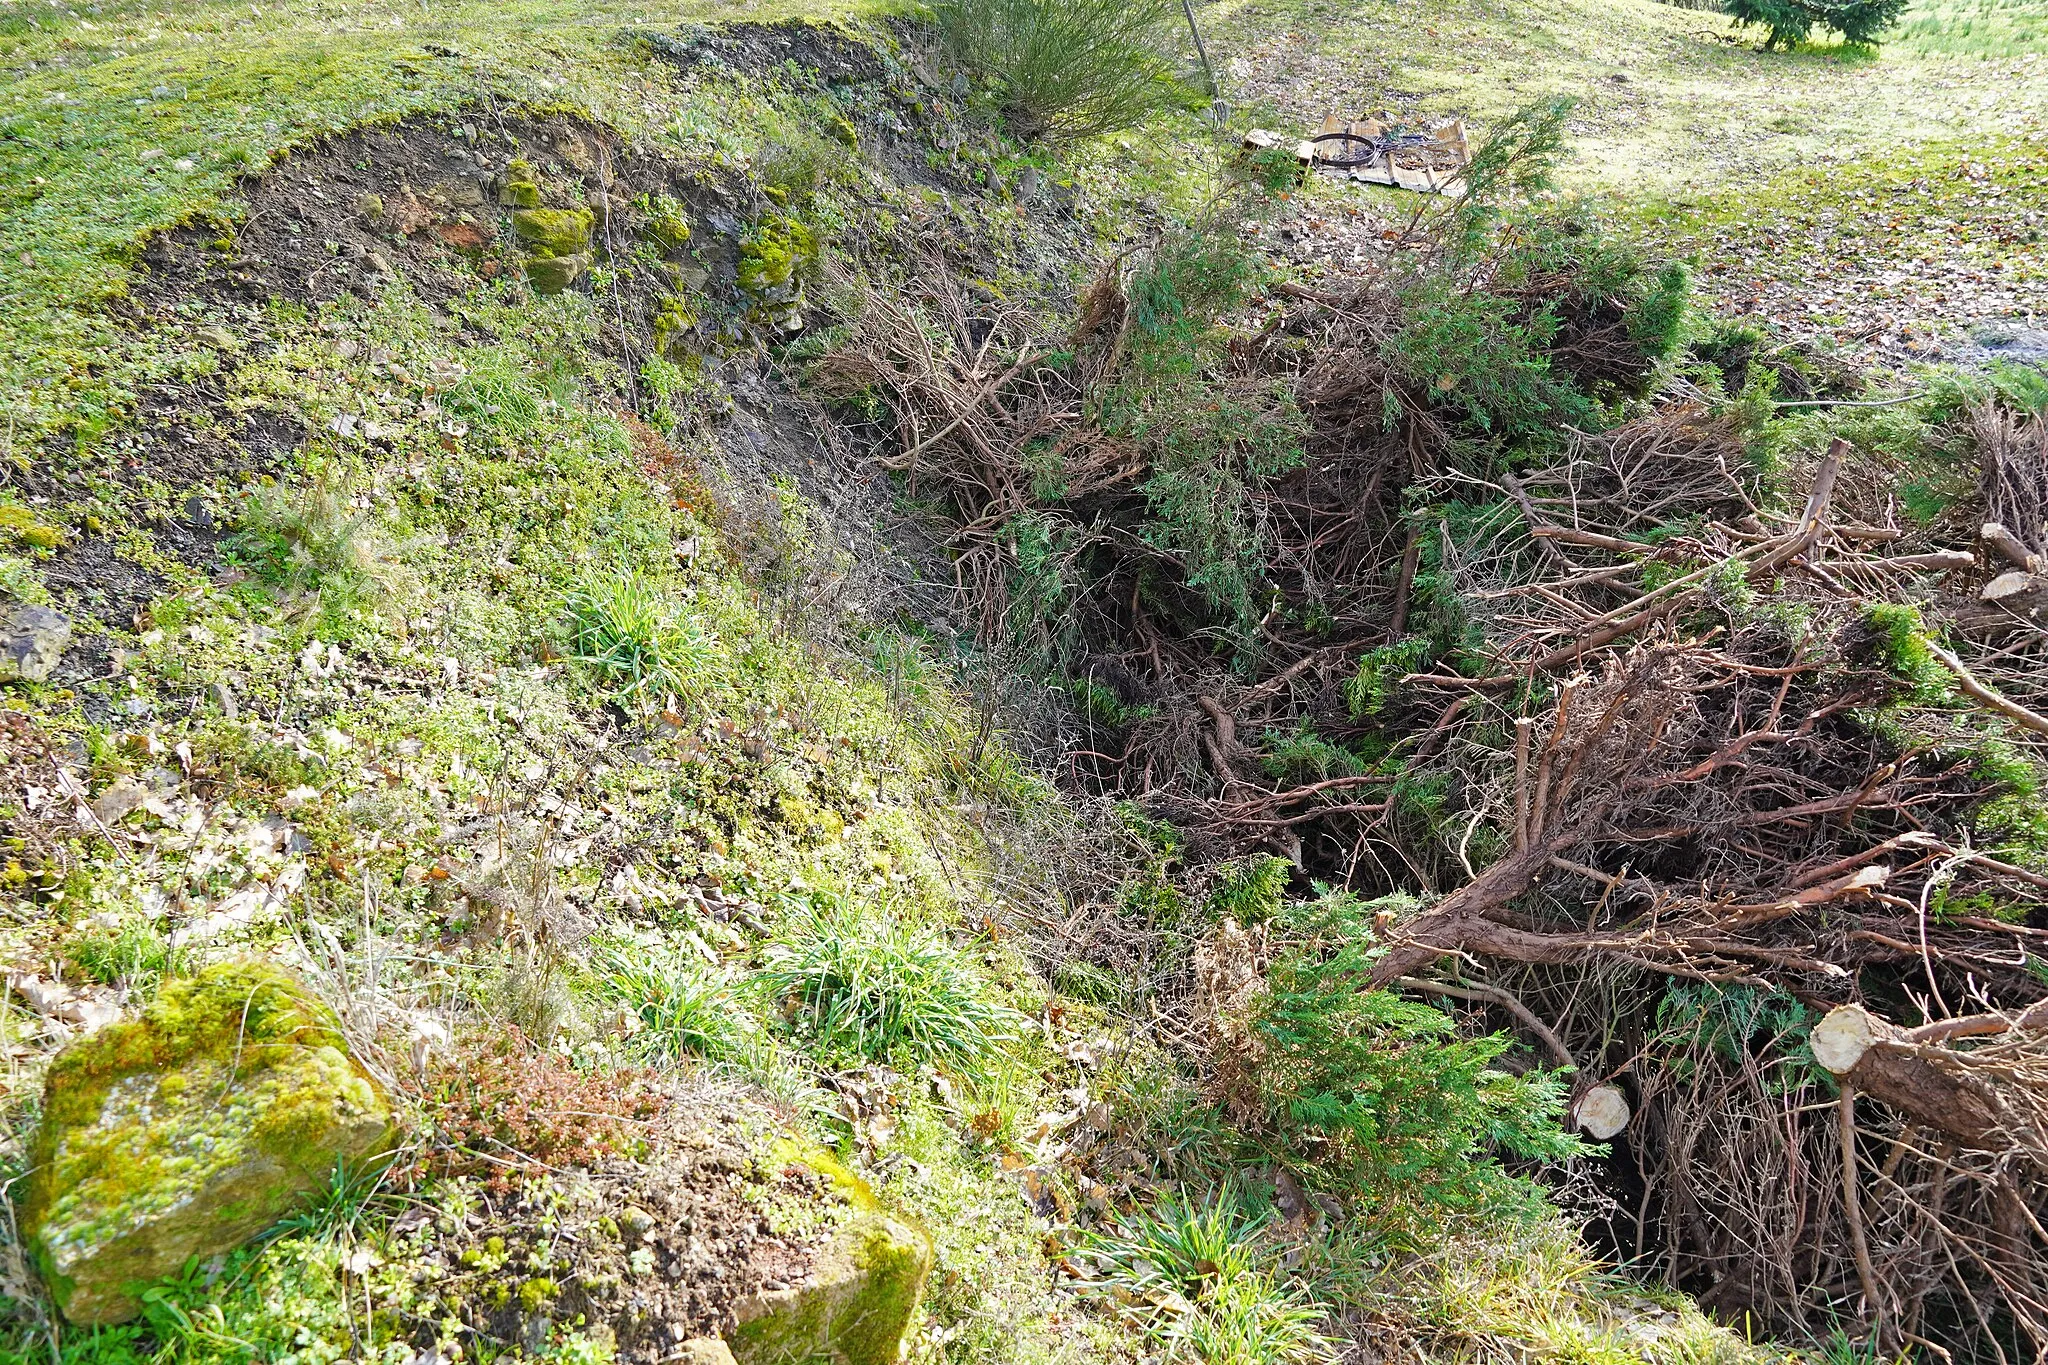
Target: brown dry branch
[[1680, 771]]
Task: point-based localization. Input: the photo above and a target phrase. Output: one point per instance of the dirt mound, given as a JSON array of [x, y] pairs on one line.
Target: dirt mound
[[657, 1250]]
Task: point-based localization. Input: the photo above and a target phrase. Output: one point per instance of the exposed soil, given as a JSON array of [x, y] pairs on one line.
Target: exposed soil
[[419, 202], [658, 1250]]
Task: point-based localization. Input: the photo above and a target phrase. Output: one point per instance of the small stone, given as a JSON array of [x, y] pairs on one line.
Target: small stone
[[223, 697], [463, 236], [553, 274], [184, 163], [32, 640], [462, 194], [634, 1225], [704, 1351], [118, 801]]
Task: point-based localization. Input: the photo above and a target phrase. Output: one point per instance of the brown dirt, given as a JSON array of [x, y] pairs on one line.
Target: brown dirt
[[658, 1250]]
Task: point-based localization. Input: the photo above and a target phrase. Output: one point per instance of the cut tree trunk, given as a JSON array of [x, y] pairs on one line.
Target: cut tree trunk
[[1909, 1070]]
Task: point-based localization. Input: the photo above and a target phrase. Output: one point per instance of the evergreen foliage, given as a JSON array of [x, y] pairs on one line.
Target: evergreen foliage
[[1383, 1087], [1787, 23]]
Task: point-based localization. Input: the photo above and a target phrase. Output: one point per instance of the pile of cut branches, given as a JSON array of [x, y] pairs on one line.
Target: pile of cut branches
[[1437, 583]]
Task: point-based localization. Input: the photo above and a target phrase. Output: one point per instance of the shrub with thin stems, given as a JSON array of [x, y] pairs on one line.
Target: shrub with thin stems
[[1211, 1286], [683, 1008], [1069, 68], [311, 536], [865, 986], [637, 647]]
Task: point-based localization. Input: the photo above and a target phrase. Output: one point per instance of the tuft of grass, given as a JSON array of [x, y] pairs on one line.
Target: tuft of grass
[[136, 954], [682, 1009], [353, 1197], [864, 986], [309, 536], [1068, 68], [623, 630], [1211, 1287]]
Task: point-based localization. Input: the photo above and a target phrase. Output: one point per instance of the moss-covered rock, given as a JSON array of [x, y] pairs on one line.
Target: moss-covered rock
[[553, 232], [186, 1131], [668, 223], [673, 323], [553, 274], [775, 260], [520, 190], [557, 243], [863, 1293]]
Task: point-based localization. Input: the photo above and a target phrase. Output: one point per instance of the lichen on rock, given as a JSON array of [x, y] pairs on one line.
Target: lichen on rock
[[188, 1130]]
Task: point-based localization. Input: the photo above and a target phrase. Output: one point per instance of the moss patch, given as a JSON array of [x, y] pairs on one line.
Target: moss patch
[[864, 1293]]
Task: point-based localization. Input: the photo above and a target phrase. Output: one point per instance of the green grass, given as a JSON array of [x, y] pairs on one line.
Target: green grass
[[860, 984], [1911, 234], [1212, 1283], [1974, 28], [1670, 99], [680, 1008], [130, 117], [643, 651]]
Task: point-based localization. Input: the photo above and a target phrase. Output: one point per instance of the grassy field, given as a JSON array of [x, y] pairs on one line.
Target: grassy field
[[1890, 203], [1986, 29], [1671, 100]]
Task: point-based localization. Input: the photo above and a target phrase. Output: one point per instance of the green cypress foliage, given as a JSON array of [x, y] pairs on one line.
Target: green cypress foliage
[[1382, 1086]]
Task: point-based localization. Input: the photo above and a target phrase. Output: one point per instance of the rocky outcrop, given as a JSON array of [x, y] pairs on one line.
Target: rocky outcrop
[[188, 1130]]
